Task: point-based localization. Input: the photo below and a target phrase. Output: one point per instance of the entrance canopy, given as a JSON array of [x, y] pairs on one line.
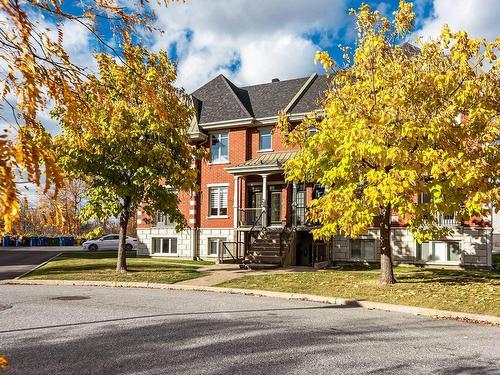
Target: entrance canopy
[[264, 163]]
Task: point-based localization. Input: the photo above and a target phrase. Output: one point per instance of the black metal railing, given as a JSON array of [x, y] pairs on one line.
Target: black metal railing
[[250, 217], [230, 250]]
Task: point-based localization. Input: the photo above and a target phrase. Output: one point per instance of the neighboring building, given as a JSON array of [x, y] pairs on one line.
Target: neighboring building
[[245, 208], [495, 222]]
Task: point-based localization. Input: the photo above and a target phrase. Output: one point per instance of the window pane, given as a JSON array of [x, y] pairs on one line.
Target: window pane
[[156, 245], [439, 251], [454, 251], [173, 245], [213, 247], [215, 148], [224, 148], [368, 249], [424, 198], [355, 249], [219, 148], [214, 201], [223, 200], [165, 245], [423, 251], [265, 140]]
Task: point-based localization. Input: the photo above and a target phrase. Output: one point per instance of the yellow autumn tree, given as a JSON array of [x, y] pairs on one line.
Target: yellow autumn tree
[[398, 121], [132, 143], [36, 70]]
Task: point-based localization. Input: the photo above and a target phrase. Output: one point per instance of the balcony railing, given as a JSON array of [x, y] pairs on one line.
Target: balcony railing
[[447, 220], [250, 217]]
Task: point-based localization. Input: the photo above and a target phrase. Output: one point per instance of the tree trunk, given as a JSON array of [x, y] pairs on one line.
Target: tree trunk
[[386, 272], [121, 262]]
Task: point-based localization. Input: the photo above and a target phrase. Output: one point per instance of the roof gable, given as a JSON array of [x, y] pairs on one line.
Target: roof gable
[[220, 100]]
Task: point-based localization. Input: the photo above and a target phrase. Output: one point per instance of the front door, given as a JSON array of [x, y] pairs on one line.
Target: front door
[[275, 207]]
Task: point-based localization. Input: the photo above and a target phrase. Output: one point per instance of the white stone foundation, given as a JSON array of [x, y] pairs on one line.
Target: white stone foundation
[[475, 246], [184, 240]]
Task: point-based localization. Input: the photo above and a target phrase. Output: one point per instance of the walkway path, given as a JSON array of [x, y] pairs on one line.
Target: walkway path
[[217, 274], [224, 272]]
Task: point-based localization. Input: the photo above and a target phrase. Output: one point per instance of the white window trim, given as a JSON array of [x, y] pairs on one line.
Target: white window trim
[[209, 186], [219, 240], [211, 162], [271, 137], [169, 254]]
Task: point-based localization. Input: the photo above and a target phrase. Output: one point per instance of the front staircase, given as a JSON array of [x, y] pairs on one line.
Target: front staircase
[[269, 248]]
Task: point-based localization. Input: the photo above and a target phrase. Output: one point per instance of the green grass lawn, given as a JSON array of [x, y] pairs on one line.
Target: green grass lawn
[[444, 289], [496, 261], [100, 266]]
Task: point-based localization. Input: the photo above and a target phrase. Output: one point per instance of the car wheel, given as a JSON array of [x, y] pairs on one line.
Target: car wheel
[[93, 247], [129, 247]]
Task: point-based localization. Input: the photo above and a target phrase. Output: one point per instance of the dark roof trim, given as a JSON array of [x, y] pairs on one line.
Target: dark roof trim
[[301, 92]]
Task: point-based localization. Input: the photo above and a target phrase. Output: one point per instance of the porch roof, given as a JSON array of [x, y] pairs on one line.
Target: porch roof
[[266, 162]]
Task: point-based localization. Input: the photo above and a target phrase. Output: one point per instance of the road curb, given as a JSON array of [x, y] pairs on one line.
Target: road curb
[[413, 310]]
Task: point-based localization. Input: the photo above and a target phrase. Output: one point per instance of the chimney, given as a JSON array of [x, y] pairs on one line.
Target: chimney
[[275, 80]]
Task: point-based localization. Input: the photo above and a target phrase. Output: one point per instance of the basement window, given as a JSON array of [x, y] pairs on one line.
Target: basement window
[[363, 249], [439, 251], [167, 245]]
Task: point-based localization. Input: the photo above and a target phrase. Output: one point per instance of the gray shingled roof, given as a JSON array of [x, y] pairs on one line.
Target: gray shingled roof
[[269, 98], [309, 100], [221, 100]]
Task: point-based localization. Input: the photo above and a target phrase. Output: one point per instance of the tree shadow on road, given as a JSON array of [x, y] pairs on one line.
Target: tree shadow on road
[[248, 342]]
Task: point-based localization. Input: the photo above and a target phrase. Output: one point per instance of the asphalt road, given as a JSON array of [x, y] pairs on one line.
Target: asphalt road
[[145, 331], [14, 263]]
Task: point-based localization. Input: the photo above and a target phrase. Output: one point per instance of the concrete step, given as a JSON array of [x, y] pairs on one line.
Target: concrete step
[[266, 259], [262, 266], [265, 247], [264, 253]]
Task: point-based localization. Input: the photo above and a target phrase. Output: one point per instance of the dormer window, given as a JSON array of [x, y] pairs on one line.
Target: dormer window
[[219, 148], [265, 140]]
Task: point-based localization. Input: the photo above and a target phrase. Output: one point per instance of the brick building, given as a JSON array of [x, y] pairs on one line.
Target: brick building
[[244, 208]]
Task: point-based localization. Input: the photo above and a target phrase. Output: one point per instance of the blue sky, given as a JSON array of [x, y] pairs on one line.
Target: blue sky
[[253, 41]]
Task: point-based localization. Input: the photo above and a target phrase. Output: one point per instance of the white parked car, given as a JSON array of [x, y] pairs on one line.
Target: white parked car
[[109, 242]]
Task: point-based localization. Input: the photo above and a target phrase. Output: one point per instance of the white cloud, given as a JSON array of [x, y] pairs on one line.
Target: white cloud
[[284, 56], [249, 41], [77, 43], [479, 18]]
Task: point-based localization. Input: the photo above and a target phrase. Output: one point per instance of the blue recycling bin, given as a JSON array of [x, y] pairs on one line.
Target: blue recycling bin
[[70, 241], [33, 241], [6, 241], [42, 241], [61, 241]]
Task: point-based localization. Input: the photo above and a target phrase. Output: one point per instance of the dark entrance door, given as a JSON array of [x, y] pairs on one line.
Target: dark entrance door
[[274, 216], [255, 203]]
